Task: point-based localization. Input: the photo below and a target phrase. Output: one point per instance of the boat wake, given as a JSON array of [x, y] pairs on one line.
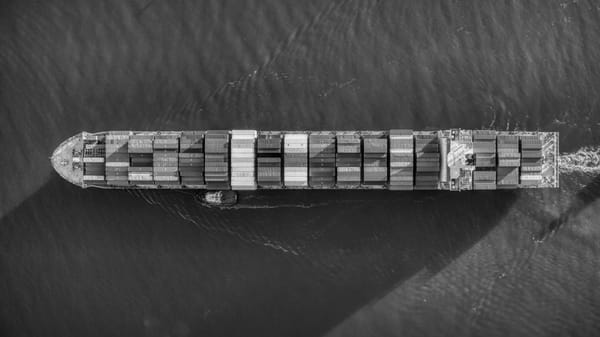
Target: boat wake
[[580, 186], [245, 206], [209, 220], [585, 160]]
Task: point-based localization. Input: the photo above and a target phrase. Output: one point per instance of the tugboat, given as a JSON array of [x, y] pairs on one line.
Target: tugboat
[[219, 198]]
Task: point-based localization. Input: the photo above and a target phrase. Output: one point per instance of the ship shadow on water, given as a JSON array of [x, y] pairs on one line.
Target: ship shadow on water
[[291, 263], [584, 197]]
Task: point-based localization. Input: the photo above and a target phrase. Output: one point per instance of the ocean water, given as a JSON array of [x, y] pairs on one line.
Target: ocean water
[[111, 263]]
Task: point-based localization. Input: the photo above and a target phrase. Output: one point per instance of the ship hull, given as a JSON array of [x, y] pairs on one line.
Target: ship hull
[[399, 160]]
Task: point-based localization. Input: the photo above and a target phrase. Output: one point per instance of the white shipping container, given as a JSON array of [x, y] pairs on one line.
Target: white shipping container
[[242, 181], [244, 187], [401, 164], [117, 164], [295, 150], [295, 144], [293, 170], [401, 150], [93, 177], [93, 159], [140, 176], [242, 174], [242, 166], [531, 177], [117, 137], [166, 178], [243, 134], [165, 168], [348, 169], [191, 155], [235, 150], [166, 140], [242, 155], [295, 176], [243, 159], [409, 137], [296, 183], [242, 143], [297, 147], [298, 141], [296, 136]]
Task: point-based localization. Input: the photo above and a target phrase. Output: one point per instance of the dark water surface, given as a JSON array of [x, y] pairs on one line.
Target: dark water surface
[[114, 263]]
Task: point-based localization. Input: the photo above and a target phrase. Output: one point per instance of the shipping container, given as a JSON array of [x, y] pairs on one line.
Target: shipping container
[[348, 160], [269, 159], [485, 160], [322, 159], [428, 164], [508, 175], [531, 142], [295, 151], [243, 156], [484, 175]]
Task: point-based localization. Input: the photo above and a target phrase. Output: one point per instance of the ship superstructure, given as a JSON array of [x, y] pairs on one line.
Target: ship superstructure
[[453, 159]]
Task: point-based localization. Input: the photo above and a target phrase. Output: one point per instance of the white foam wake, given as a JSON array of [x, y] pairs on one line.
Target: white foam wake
[[585, 160], [244, 206]]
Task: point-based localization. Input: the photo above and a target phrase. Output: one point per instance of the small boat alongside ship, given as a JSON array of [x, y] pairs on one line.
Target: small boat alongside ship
[[219, 198]]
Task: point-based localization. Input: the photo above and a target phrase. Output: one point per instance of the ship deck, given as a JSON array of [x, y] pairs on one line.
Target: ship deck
[[453, 159]]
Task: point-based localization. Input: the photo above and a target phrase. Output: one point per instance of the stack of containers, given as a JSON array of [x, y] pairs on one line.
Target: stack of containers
[[140, 156], [531, 160], [191, 158], [117, 158], [427, 150], [509, 160], [484, 148], [322, 160], [94, 150], [166, 159], [295, 148], [216, 160], [243, 155], [375, 148], [269, 159], [348, 160], [401, 160]]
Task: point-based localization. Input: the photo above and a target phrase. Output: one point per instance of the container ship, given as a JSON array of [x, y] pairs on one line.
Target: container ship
[[399, 160]]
